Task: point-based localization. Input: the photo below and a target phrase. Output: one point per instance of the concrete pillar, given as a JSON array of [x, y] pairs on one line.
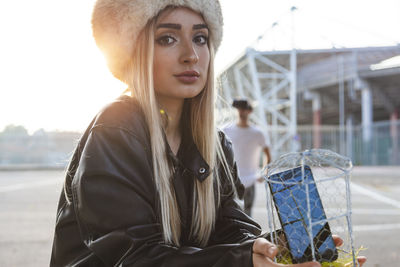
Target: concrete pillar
[[393, 134], [367, 113], [293, 102], [316, 106], [349, 136], [367, 120], [341, 104]]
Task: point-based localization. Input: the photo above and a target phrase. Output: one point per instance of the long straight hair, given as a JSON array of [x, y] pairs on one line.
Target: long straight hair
[[203, 130]]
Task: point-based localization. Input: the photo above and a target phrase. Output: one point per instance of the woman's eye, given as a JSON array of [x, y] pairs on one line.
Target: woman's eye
[[200, 39], [165, 40]]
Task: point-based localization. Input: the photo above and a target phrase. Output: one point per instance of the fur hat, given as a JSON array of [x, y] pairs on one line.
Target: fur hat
[[116, 25]]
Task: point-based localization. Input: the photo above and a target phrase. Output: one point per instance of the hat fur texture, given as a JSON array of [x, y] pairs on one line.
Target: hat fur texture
[[116, 25]]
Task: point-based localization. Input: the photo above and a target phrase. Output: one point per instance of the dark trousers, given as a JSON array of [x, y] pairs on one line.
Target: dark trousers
[[248, 198]]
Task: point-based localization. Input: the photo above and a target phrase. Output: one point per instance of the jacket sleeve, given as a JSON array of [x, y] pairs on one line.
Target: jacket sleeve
[[233, 225], [115, 200]]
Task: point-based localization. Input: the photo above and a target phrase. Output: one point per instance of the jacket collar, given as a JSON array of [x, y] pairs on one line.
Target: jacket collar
[[188, 154], [192, 159]]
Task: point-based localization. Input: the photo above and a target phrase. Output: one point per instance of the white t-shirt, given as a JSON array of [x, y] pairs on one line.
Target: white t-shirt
[[247, 146]]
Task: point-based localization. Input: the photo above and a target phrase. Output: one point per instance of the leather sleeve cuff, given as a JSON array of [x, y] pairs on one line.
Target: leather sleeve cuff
[[245, 250]]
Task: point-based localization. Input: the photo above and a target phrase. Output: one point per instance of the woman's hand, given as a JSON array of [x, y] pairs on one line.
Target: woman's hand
[[338, 242], [264, 253]]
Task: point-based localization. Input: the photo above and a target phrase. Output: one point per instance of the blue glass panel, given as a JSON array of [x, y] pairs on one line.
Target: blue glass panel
[[291, 202]]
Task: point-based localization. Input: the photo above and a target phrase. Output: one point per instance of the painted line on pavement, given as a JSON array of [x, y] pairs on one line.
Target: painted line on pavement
[[21, 186], [376, 227], [376, 211], [375, 195]]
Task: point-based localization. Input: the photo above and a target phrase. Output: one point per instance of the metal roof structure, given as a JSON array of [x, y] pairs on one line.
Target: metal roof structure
[[352, 69], [288, 86]]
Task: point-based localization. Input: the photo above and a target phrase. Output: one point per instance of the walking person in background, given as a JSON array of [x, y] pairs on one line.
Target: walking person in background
[[248, 143], [152, 182]]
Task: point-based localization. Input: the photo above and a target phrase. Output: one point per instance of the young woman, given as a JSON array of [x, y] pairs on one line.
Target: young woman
[[152, 182]]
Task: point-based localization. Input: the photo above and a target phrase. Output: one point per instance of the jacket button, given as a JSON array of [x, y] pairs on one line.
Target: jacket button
[[202, 170]]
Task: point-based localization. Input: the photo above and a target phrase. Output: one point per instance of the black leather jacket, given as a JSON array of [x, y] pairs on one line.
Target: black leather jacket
[[108, 213]]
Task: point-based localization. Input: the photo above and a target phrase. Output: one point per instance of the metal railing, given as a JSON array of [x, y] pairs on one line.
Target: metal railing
[[382, 149]]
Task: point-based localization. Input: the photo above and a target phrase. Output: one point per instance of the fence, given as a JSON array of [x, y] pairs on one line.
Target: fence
[[55, 149], [382, 149]]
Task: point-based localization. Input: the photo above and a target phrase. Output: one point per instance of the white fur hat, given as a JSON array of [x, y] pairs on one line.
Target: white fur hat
[[117, 23]]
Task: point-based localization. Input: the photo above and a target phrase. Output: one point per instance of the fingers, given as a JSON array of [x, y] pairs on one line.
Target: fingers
[[262, 261], [264, 252], [361, 260], [264, 247], [337, 240]]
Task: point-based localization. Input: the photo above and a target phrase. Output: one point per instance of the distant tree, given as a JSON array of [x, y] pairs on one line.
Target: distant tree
[[14, 140], [17, 146], [14, 130]]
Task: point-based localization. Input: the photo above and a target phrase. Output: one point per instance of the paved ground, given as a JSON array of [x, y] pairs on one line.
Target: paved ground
[[28, 201]]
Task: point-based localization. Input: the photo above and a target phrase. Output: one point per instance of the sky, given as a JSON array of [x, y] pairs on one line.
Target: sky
[[52, 75]]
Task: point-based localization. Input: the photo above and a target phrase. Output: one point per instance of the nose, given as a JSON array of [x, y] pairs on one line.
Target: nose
[[189, 54]]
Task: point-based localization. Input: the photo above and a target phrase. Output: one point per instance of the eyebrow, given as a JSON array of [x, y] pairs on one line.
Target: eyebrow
[[200, 26], [178, 26]]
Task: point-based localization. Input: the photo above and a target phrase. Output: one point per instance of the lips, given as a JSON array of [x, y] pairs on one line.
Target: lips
[[188, 76]]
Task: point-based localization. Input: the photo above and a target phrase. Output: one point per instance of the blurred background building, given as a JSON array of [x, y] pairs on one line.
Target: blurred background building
[[346, 100]]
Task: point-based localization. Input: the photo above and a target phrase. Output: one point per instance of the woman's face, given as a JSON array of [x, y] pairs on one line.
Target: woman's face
[[181, 54]]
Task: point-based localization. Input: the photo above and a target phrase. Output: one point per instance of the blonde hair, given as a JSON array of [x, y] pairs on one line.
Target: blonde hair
[[140, 79]]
